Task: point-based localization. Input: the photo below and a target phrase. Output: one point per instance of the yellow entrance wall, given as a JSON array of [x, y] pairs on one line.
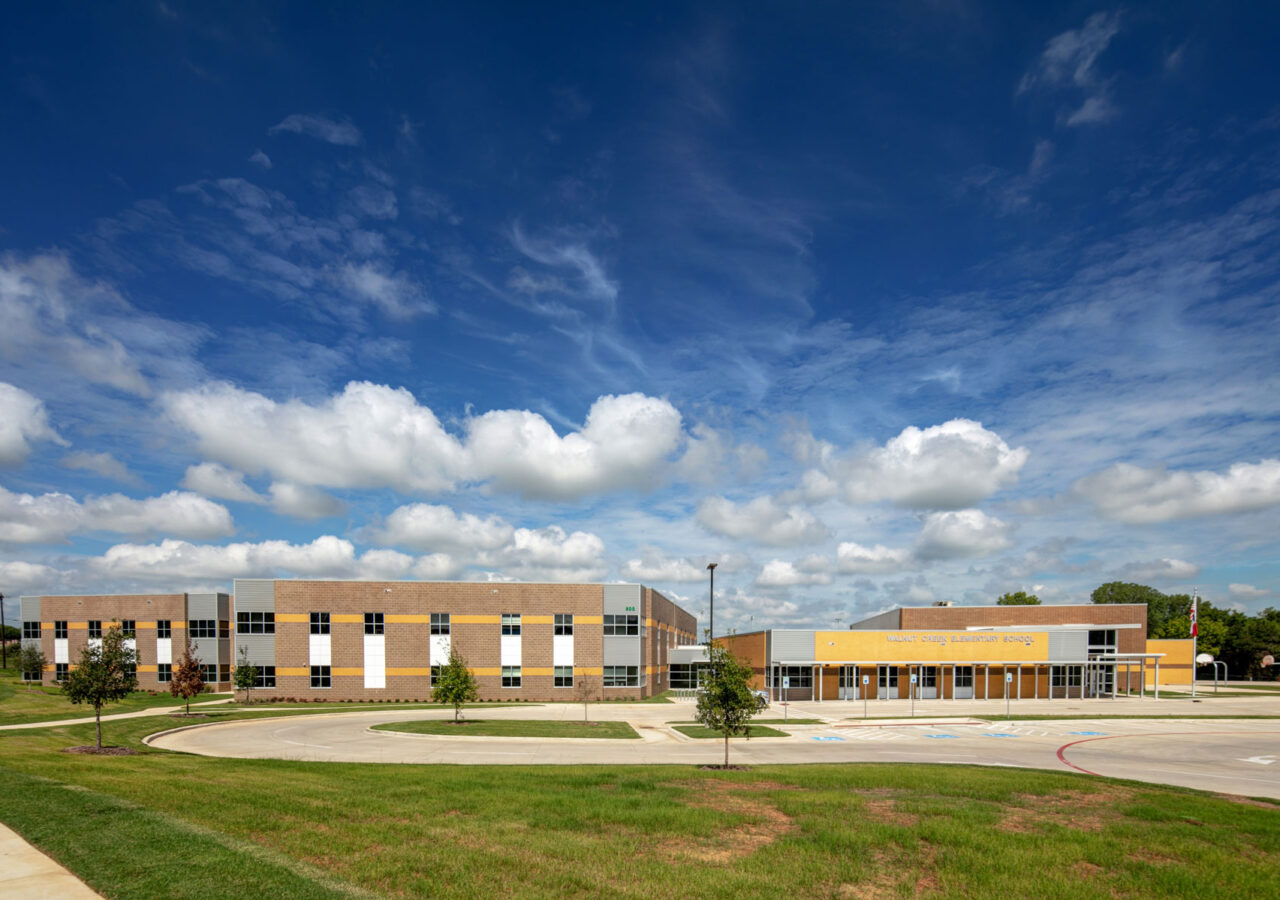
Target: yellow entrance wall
[[931, 646], [1175, 666]]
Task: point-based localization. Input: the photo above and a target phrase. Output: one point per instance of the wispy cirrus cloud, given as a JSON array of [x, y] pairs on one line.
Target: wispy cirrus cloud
[[333, 131], [1070, 61]]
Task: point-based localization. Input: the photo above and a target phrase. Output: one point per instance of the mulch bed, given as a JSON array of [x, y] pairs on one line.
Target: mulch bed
[[91, 750], [187, 716], [725, 768]]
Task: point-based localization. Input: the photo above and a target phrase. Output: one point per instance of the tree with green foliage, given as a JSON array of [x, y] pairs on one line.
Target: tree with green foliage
[[245, 676], [1020, 598], [455, 685], [107, 672], [32, 663], [186, 681], [725, 701]]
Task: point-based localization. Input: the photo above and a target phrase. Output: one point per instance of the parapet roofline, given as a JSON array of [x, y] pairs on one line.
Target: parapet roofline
[[1016, 606], [455, 581]]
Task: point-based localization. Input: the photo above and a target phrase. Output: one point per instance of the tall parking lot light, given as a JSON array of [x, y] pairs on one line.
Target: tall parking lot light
[[711, 567]]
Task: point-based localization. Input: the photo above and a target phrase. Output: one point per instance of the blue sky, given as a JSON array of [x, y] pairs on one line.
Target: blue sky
[[871, 306]]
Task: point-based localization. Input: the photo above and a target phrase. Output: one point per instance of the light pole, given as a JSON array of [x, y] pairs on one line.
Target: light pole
[[711, 567]]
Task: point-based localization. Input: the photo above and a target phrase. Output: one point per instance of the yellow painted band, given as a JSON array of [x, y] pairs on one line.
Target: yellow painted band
[[48, 625], [348, 618], [485, 671], [475, 620], [177, 624], [78, 626], [588, 670], [138, 626], [293, 618], [147, 669], [292, 670]]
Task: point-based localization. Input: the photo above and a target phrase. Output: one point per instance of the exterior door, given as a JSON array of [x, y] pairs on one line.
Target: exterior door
[[848, 683], [928, 683], [887, 679], [964, 683]]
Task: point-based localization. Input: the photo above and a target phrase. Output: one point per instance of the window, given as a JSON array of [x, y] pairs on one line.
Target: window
[[564, 623], [320, 677], [801, 676], [129, 627], [209, 674], [686, 675], [203, 628], [373, 623], [164, 628], [95, 628], [224, 629], [266, 677], [439, 623], [511, 624], [224, 672], [31, 631], [59, 671], [1066, 676], [131, 670], [621, 625], [319, 623], [60, 629], [964, 676], [164, 673], [435, 674], [622, 676], [564, 675], [511, 675], [256, 622]]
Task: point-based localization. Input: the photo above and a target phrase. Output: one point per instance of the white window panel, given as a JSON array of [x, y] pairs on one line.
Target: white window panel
[[164, 650], [440, 647], [510, 650], [375, 660], [60, 652], [562, 650], [319, 650]]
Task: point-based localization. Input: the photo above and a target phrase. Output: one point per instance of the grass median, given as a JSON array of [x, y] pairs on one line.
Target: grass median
[[702, 732], [161, 824], [533, 728]]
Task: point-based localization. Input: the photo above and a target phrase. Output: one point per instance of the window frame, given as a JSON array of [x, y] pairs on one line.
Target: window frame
[[321, 678], [202, 628], [559, 679], [60, 630], [95, 629], [164, 673], [630, 676], [129, 628], [563, 624], [375, 623], [264, 677], [209, 673], [31, 631], [510, 624], [255, 622], [512, 677], [320, 623], [441, 624], [60, 671], [621, 625], [164, 629]]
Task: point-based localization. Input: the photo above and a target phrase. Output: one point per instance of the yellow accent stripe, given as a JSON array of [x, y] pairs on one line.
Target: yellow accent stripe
[[588, 620], [294, 618], [347, 671], [648, 623], [48, 625], [177, 624], [410, 671], [147, 669], [141, 625], [475, 620], [348, 618], [529, 670], [409, 620], [78, 626], [485, 671], [588, 670], [295, 671]]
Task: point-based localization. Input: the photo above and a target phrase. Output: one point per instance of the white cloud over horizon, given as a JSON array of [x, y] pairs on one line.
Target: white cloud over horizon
[[55, 517], [1136, 495]]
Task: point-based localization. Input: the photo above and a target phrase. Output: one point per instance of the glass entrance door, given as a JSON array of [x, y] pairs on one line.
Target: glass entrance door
[[887, 679], [928, 683], [848, 683]]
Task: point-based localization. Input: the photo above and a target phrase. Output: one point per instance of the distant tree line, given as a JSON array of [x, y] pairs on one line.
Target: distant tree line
[[1237, 639]]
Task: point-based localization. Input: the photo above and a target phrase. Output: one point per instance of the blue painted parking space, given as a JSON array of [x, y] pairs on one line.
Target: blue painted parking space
[[953, 736], [998, 734], [1093, 733], [828, 739]]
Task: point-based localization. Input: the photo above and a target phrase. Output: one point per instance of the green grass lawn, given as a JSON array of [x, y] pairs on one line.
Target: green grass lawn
[[173, 825], [791, 721], [701, 732], [536, 728]]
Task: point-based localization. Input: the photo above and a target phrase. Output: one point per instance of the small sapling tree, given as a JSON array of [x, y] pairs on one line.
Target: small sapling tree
[[725, 701], [106, 674], [31, 663], [245, 676], [455, 685], [187, 681], [585, 689]]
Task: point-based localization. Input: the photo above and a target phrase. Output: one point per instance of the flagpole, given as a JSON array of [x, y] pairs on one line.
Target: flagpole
[[1195, 634]]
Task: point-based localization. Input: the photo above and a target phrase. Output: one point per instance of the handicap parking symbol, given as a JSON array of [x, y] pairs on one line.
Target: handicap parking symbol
[[1094, 733], [998, 734], [941, 736], [828, 739]]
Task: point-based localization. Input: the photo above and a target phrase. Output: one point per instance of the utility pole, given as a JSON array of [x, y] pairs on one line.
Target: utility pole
[[4, 639], [711, 567]]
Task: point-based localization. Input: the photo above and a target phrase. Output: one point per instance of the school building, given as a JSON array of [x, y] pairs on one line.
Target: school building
[[969, 652], [382, 640]]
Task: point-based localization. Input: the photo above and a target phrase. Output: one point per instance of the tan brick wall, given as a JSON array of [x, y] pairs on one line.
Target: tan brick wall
[[144, 609]]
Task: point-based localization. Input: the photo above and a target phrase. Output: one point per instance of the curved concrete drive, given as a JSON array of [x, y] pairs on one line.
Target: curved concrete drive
[[1237, 756]]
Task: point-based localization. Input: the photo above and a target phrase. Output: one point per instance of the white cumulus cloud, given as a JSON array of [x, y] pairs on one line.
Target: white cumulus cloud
[[1132, 494], [431, 527], [961, 533], [653, 568], [304, 502], [780, 573], [856, 559], [1247, 590], [20, 577], [219, 482], [48, 518], [763, 520], [1160, 570], [23, 420]]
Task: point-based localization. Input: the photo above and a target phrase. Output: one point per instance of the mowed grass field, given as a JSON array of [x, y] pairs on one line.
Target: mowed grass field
[[160, 824], [534, 728]]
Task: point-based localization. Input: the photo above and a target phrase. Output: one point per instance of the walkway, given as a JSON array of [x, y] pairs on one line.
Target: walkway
[[27, 874]]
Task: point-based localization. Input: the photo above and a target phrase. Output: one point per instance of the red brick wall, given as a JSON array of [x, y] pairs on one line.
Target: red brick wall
[[1129, 640]]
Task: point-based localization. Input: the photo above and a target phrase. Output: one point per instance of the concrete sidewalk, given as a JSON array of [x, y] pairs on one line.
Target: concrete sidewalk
[[112, 717], [27, 874]]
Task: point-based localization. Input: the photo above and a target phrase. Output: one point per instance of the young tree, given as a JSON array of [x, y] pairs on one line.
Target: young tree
[[455, 684], [187, 681], [245, 676], [31, 662], [1020, 598], [106, 673], [584, 689], [725, 701]]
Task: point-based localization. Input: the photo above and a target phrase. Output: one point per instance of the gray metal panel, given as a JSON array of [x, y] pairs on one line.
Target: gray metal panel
[[690, 653], [891, 621], [260, 647], [204, 649], [203, 606], [791, 645], [255, 595], [623, 598], [29, 609], [1068, 646], [621, 651]]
